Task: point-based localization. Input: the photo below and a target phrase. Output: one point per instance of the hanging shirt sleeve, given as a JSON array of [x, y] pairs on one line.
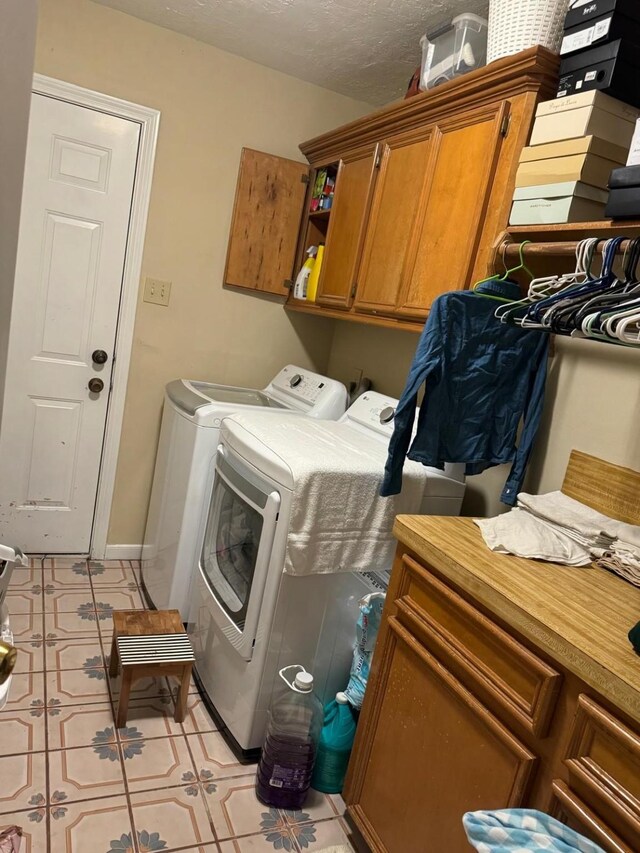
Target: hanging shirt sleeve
[[532, 415], [427, 358]]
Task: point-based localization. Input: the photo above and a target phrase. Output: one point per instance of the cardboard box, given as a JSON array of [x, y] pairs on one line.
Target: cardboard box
[[599, 31], [611, 68], [589, 160], [585, 114], [585, 168], [589, 99], [587, 10], [555, 203], [580, 145], [633, 158]]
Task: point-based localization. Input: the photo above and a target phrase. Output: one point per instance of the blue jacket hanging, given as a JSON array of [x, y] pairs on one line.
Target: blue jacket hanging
[[481, 378]]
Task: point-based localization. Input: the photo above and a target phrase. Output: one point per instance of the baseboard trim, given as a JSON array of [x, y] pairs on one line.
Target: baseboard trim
[[123, 552]]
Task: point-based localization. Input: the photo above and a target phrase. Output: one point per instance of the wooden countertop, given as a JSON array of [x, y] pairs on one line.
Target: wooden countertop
[[579, 616]]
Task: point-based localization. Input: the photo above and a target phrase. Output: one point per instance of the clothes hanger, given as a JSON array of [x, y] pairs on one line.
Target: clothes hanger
[[508, 272], [557, 285]]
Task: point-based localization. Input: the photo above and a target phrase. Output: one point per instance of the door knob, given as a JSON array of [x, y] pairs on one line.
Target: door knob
[[96, 385], [99, 356]]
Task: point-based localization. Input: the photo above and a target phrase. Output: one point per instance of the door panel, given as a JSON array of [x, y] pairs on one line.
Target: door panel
[[266, 220], [436, 742], [76, 204], [445, 241], [399, 195], [354, 183]]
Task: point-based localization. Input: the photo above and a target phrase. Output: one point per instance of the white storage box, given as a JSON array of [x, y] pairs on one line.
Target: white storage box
[[549, 204], [453, 48]]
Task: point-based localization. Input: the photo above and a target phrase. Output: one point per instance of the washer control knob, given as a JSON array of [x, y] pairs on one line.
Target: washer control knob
[[295, 380], [387, 415]]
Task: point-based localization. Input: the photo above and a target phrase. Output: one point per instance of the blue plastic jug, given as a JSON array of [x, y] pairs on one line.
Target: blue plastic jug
[[334, 746]]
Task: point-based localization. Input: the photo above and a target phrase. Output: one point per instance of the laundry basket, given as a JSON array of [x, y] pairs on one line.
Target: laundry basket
[[515, 25]]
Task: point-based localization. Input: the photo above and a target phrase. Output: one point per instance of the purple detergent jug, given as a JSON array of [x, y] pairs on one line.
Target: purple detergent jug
[[290, 747]]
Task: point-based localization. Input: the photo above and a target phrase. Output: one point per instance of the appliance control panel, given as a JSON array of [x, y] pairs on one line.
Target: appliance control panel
[[372, 412], [311, 392]]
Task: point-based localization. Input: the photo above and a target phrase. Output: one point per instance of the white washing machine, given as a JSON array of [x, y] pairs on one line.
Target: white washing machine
[[191, 419], [248, 617]]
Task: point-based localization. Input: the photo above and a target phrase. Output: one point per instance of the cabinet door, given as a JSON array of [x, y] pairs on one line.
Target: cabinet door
[[268, 207], [399, 196], [447, 229], [427, 752], [346, 229]]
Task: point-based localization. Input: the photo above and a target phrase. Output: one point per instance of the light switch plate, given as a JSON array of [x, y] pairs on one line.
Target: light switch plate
[[157, 291]]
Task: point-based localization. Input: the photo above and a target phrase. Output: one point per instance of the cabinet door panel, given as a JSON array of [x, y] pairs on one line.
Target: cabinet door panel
[[398, 197], [570, 809], [346, 229], [434, 752], [445, 241], [603, 759], [270, 196]]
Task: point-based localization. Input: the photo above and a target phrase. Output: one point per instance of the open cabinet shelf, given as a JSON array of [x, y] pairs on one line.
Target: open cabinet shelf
[[576, 230]]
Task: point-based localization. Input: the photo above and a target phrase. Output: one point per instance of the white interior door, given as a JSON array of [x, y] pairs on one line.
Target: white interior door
[[76, 205]]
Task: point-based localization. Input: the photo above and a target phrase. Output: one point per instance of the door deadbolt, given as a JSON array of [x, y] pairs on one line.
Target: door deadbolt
[[99, 356]]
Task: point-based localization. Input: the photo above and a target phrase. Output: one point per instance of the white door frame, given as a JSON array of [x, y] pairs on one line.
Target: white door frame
[[149, 120]]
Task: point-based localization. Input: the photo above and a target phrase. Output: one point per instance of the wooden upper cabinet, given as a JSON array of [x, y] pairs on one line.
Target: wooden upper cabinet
[[446, 232], [269, 201], [400, 194], [354, 183]]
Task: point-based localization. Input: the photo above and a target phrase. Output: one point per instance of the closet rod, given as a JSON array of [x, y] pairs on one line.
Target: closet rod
[[512, 250]]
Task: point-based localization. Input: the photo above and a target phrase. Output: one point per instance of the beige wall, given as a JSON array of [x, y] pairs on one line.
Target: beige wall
[[17, 44], [212, 104], [592, 404]]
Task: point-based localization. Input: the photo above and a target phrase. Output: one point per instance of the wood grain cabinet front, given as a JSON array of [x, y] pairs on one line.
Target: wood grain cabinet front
[[422, 187], [427, 749], [354, 185], [603, 760]]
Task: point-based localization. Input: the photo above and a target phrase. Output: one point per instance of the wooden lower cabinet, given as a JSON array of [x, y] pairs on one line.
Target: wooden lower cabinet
[[428, 728], [461, 715]]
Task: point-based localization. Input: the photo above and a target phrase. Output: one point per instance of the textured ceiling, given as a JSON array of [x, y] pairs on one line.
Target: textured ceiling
[[367, 49]]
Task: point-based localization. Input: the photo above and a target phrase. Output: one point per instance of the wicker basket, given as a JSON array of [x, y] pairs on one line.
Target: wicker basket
[[515, 25]]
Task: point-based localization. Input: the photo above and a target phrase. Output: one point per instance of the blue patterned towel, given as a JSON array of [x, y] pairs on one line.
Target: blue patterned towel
[[523, 831]]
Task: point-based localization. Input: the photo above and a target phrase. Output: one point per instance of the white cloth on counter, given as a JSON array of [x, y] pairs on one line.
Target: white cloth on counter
[[583, 523], [559, 529], [520, 533], [338, 520]]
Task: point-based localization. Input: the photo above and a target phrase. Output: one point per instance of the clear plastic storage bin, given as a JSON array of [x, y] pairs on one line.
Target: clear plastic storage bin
[[453, 48]]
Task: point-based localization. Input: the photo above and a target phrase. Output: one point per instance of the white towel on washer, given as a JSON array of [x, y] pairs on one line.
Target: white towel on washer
[[338, 520]]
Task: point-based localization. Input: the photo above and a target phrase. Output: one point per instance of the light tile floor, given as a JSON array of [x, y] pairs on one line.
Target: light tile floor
[[75, 784]]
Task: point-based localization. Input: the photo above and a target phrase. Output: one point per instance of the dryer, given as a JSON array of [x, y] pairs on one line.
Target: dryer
[[192, 415], [248, 618]]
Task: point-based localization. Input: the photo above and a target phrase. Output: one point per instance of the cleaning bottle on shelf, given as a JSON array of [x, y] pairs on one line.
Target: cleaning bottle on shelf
[[289, 751], [334, 747], [312, 285], [300, 287]]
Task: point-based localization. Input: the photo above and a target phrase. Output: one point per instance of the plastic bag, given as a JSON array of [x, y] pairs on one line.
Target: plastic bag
[[367, 628]]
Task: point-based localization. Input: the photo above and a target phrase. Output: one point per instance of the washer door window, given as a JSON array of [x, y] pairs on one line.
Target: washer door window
[[236, 550]]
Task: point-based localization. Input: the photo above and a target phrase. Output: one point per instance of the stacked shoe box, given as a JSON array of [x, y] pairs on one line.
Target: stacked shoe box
[[601, 49], [576, 142], [585, 132]]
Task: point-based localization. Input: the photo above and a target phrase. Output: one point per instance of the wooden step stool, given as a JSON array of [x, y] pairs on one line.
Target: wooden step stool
[[150, 643]]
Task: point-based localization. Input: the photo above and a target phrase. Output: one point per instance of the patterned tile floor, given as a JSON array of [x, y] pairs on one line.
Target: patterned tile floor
[[75, 784]]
